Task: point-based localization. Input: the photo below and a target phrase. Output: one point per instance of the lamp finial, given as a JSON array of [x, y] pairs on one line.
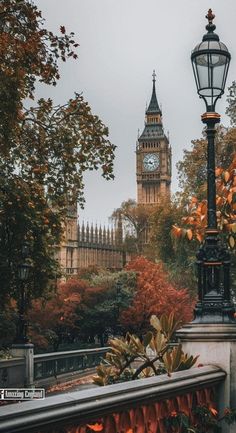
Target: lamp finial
[[210, 16]]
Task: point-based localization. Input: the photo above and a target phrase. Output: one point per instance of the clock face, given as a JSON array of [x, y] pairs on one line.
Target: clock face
[[151, 162]]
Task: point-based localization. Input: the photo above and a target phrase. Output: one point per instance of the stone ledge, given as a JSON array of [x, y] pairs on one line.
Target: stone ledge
[[207, 332]]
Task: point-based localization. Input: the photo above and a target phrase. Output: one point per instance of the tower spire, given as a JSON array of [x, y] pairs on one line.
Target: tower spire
[[154, 77], [153, 107]]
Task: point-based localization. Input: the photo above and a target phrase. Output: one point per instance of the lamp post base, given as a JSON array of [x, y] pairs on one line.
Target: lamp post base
[[25, 351], [214, 298], [214, 310], [215, 344]]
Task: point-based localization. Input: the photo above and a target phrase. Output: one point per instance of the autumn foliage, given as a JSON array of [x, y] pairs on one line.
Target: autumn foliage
[[50, 318], [81, 310], [194, 224], [44, 148], [154, 296]]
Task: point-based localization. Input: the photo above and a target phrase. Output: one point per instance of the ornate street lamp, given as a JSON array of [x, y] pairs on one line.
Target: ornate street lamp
[[23, 275], [210, 60]]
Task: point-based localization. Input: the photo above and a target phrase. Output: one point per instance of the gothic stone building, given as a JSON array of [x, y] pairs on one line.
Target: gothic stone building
[[85, 246]]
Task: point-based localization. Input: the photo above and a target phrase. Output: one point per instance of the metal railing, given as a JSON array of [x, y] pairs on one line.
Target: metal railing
[[58, 363], [118, 407]]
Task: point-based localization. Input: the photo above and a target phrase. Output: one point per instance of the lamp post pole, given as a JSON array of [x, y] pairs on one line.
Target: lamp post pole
[[23, 275], [210, 60], [22, 348], [22, 337]]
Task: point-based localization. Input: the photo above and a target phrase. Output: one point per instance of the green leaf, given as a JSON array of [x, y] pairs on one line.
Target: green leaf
[[147, 338]]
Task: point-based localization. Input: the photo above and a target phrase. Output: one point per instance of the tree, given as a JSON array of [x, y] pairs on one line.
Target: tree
[[103, 302], [231, 109], [135, 219], [55, 318], [154, 295], [177, 254], [81, 310], [8, 324], [24, 210], [196, 220], [44, 149], [189, 230], [161, 223], [28, 52], [192, 170]]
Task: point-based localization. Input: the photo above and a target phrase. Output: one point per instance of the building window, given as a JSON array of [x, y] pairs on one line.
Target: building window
[[69, 257]]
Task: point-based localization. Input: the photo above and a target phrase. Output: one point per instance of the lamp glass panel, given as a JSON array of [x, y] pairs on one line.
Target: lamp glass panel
[[218, 77], [210, 70], [202, 73]]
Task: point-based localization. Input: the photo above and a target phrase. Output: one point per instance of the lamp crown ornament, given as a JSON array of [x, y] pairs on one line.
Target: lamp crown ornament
[[210, 27], [210, 16]]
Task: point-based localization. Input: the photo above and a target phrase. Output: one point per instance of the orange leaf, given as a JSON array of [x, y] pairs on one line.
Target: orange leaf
[[230, 198], [199, 237], [213, 411], [95, 427], [176, 231], [219, 200], [226, 176], [189, 234], [203, 208], [218, 171], [130, 430]]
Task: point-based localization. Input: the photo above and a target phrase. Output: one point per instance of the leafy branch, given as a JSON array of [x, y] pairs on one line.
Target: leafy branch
[[153, 355]]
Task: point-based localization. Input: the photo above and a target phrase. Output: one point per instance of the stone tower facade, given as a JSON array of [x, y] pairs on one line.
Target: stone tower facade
[[153, 157], [68, 253], [83, 246]]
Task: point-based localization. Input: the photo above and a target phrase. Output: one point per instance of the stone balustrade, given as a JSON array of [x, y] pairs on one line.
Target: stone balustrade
[[138, 406]]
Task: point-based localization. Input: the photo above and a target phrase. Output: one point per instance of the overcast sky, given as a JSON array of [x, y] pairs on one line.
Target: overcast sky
[[121, 42]]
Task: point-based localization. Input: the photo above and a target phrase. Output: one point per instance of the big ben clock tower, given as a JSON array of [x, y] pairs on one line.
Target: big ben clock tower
[[153, 157]]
